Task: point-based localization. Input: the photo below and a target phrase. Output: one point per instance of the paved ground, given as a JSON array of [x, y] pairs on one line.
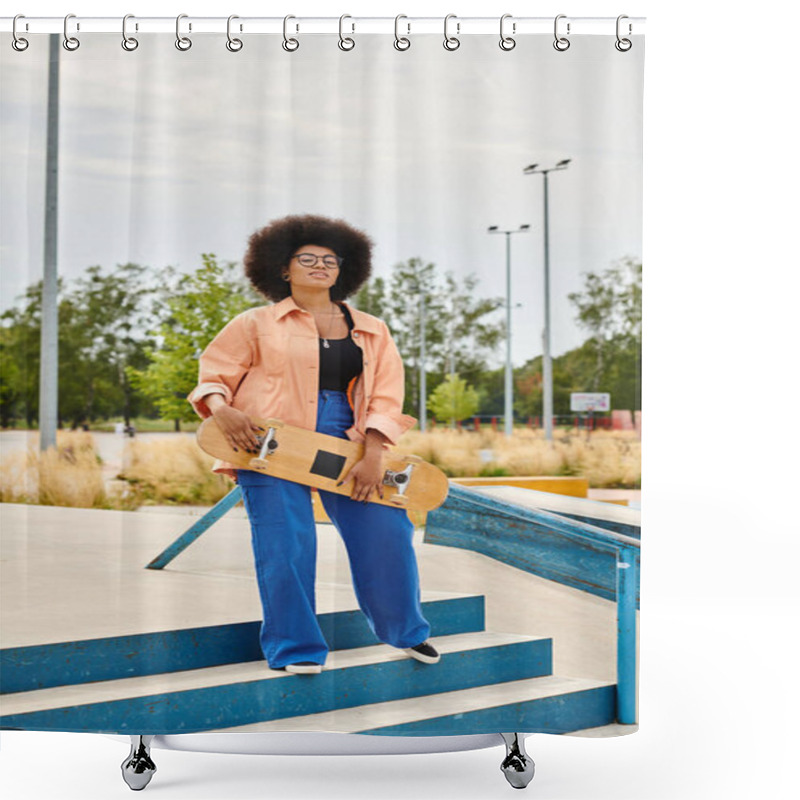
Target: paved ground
[[70, 574]]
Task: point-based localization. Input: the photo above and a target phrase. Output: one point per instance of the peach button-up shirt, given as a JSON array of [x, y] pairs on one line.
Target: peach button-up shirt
[[265, 362]]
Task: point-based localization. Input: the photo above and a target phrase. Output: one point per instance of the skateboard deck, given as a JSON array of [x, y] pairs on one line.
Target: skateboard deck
[[319, 460]]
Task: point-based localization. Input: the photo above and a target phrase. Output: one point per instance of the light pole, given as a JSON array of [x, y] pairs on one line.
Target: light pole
[[48, 365], [509, 391], [423, 387], [547, 365]]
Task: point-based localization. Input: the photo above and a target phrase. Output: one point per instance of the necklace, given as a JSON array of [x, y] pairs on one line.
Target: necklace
[[330, 328], [331, 314]]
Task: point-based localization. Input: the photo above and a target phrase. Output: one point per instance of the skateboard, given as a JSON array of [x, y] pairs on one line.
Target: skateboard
[[320, 460]]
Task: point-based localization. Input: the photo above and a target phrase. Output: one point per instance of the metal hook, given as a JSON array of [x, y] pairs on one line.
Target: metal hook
[[451, 42], [289, 45], [506, 42], [345, 42], [561, 43], [401, 42], [70, 42], [623, 45], [129, 43], [234, 45], [18, 43], [183, 43]]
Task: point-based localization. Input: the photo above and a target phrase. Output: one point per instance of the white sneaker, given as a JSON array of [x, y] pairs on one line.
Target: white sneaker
[[304, 668]]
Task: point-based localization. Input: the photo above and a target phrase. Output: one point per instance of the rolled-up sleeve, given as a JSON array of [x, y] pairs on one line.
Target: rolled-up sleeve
[[223, 364], [385, 405]]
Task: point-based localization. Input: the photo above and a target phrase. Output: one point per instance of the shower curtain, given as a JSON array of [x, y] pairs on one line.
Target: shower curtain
[[500, 188]]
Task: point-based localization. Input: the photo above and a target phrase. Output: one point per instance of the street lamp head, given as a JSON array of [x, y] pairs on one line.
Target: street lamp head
[[530, 168], [492, 228], [524, 227], [564, 162]]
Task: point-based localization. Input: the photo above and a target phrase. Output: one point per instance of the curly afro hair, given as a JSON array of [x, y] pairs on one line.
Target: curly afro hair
[[270, 249]]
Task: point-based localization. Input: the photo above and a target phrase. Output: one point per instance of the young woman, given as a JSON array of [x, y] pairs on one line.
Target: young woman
[[313, 361]]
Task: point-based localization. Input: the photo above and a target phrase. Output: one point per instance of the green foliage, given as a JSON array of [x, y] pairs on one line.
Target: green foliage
[[194, 309], [19, 359], [610, 309], [453, 400], [494, 472], [101, 319], [102, 332], [129, 341], [371, 298]]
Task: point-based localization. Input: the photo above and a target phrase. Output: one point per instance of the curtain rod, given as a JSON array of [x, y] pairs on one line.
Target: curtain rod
[[460, 26]]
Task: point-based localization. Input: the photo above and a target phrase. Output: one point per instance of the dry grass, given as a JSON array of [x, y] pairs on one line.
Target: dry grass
[[68, 474], [605, 458], [173, 470], [160, 472]]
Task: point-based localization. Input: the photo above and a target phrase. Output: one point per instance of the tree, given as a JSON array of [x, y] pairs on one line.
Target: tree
[[103, 322], [371, 298], [610, 308], [11, 379], [101, 319], [194, 308], [453, 400], [19, 372], [459, 333], [98, 325]]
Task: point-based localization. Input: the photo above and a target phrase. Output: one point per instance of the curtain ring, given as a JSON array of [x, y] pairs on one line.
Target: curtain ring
[[623, 45], [561, 43], [401, 42], [507, 42], [346, 43], [18, 43], [183, 43], [234, 45], [128, 42], [451, 42], [289, 45], [70, 42]]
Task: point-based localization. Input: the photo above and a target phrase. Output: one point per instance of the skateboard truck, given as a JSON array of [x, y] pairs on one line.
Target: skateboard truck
[[399, 480], [269, 444]]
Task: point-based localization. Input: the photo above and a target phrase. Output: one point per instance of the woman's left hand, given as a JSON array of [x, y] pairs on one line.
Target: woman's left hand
[[367, 477]]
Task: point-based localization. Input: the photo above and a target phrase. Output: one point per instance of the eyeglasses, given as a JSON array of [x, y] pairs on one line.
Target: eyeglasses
[[311, 259]]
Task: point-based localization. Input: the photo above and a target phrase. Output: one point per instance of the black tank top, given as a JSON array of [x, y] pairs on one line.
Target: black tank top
[[341, 361]]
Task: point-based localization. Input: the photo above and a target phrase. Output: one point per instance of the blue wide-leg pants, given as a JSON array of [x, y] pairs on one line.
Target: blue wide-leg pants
[[379, 543]]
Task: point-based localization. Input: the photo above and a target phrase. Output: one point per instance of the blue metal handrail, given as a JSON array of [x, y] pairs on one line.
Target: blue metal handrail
[[626, 549], [199, 527]]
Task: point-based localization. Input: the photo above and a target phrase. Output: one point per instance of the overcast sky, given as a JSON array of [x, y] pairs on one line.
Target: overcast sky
[[166, 155]]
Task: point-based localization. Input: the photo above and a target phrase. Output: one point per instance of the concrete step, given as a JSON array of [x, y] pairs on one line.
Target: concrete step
[[245, 693], [548, 704], [110, 658]]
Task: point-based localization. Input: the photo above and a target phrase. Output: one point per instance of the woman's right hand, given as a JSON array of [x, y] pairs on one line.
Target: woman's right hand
[[238, 428]]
